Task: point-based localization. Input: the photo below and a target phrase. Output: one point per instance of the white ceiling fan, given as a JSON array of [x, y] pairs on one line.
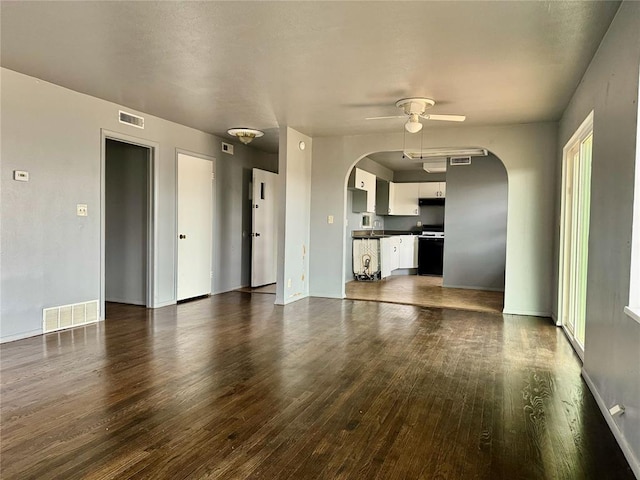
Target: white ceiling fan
[[415, 108]]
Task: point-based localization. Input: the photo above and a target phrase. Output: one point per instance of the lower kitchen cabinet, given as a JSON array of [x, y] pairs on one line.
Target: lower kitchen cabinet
[[398, 251], [408, 251]]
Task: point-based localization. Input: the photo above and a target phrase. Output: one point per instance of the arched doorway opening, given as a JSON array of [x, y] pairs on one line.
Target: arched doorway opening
[[466, 200]]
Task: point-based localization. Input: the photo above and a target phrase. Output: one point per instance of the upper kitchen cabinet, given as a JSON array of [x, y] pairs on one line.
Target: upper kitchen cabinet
[[363, 185], [397, 198], [432, 189]]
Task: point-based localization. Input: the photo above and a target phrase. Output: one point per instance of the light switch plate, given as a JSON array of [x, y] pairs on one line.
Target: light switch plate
[[329, 218], [81, 210], [20, 176]]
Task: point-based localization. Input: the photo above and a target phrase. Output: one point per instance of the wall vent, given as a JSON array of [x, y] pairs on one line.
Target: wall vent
[[131, 119], [227, 148], [460, 161], [66, 316]]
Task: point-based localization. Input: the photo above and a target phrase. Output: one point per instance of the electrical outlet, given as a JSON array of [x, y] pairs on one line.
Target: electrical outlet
[[81, 210], [289, 283], [418, 223]]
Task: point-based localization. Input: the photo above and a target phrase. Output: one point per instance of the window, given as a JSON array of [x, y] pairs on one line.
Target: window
[[574, 234], [633, 309]]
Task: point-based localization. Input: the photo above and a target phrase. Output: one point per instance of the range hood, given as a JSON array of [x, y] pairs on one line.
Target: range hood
[[431, 201]]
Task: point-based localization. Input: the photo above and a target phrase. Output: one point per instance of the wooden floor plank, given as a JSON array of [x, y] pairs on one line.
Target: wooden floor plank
[[233, 386]]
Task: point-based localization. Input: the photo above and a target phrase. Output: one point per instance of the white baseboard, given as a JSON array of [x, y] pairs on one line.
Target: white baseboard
[[127, 301], [230, 289], [529, 313], [164, 303], [474, 287], [20, 336], [624, 446]]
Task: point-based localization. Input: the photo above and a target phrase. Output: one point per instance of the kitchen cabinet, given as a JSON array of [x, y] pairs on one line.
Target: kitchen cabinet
[[433, 189], [407, 251], [397, 198], [398, 251], [363, 185], [389, 255]]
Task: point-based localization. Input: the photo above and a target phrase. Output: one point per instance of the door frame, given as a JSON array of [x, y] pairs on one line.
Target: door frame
[[564, 273], [214, 256], [152, 200]]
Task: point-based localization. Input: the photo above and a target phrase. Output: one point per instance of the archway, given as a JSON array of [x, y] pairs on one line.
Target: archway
[[474, 218]]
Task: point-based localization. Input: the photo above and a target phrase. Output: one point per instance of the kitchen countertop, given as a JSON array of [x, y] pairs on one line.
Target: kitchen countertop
[[381, 233]]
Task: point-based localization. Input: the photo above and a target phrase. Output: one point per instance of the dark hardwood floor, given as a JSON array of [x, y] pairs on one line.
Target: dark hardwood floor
[[425, 291], [233, 387]]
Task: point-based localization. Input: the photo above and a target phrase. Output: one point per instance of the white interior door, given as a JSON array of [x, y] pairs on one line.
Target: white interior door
[[264, 240], [195, 221]]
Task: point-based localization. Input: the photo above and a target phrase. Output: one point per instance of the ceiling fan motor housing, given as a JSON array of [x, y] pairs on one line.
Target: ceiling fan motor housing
[[415, 105]]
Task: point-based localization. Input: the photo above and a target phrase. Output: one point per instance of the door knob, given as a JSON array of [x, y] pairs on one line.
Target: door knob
[[257, 234], [182, 237]]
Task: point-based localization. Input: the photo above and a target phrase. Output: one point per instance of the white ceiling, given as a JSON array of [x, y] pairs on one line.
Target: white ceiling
[[319, 67]]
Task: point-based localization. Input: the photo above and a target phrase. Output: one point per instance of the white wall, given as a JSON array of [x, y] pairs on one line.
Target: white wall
[[294, 172], [126, 172], [528, 152], [612, 339], [51, 257]]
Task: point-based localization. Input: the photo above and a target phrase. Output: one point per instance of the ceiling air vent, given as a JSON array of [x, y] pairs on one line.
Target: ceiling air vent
[[131, 119], [460, 161]]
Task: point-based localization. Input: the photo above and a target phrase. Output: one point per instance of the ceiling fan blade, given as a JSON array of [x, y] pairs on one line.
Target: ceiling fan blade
[[383, 118], [446, 118]]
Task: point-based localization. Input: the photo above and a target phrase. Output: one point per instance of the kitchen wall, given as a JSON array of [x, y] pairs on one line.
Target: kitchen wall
[[476, 225], [429, 215], [612, 339], [528, 153], [126, 175], [50, 256]]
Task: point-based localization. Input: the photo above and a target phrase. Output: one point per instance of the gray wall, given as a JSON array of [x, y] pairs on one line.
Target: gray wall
[[126, 174], [476, 225], [529, 155], [51, 257], [612, 339], [232, 231]]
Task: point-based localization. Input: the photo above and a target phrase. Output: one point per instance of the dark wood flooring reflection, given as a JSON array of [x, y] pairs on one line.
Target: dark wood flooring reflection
[[425, 291], [233, 387]]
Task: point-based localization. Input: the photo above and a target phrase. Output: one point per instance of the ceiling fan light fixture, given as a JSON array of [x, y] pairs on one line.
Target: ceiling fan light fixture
[[245, 135], [413, 125]]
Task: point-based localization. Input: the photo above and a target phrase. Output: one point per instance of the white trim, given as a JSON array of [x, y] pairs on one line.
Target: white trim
[[165, 303], [554, 317], [471, 287], [633, 310], [21, 336], [528, 313], [634, 313], [622, 442], [585, 129], [579, 349], [152, 213], [230, 289]]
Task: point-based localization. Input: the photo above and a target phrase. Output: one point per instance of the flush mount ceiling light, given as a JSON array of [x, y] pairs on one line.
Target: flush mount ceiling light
[[245, 135]]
